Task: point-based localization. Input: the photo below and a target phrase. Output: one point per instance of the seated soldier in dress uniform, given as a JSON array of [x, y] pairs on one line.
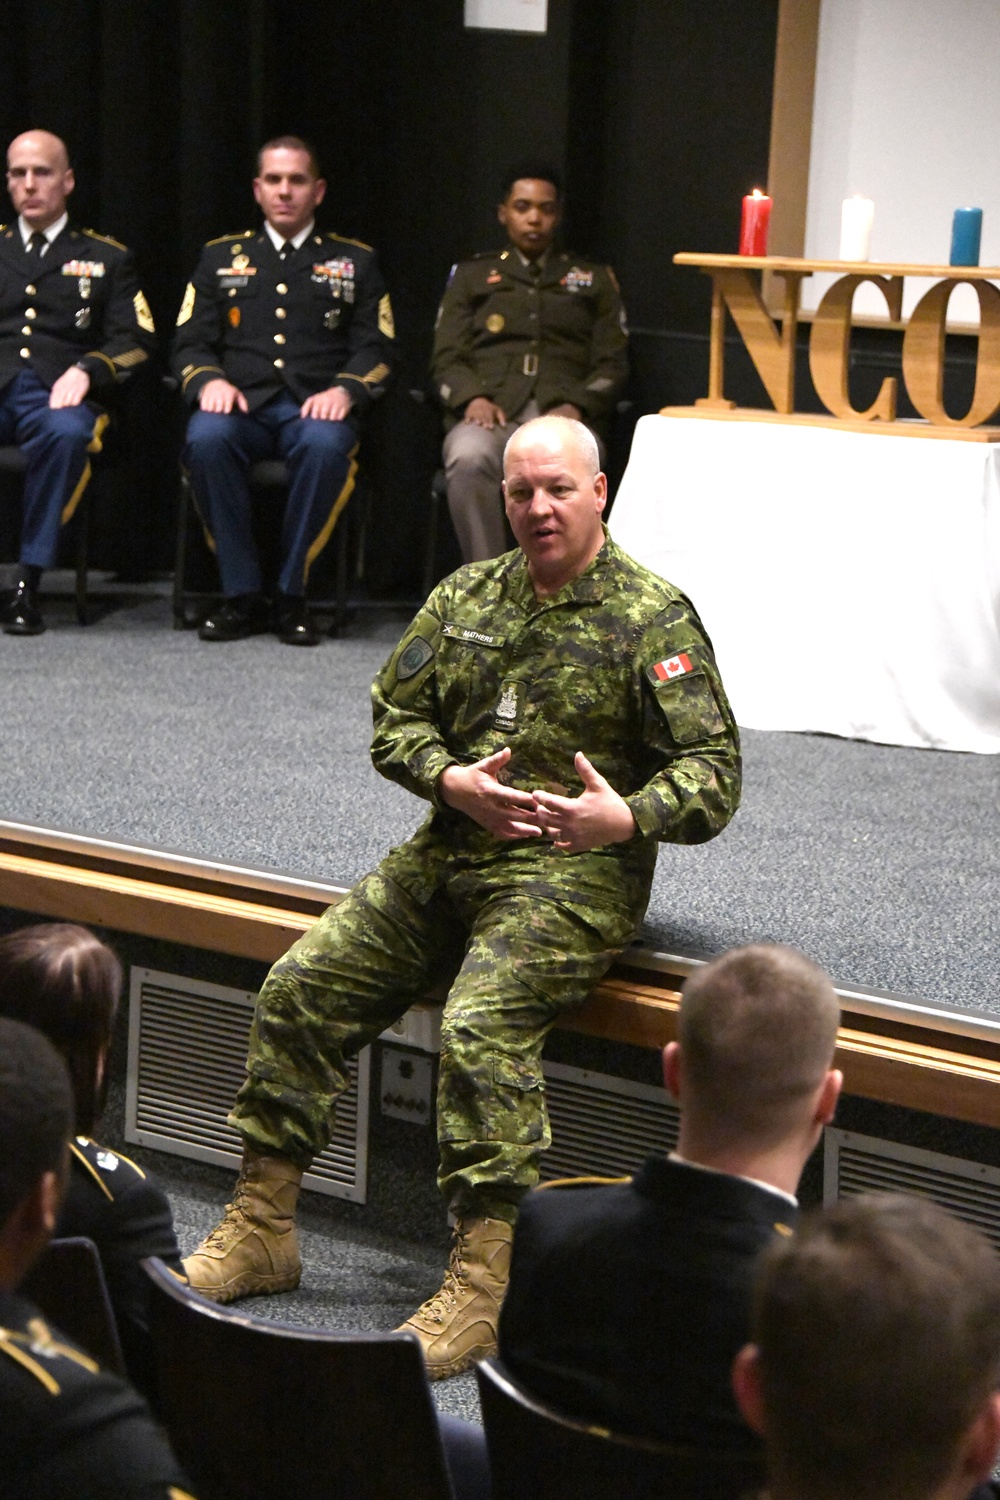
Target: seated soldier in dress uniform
[[875, 1366], [63, 980], [520, 332], [284, 339], [73, 323], [67, 1429], [629, 1300]]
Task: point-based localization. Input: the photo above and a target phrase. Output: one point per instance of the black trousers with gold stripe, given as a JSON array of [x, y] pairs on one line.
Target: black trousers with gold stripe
[[320, 456], [58, 444]]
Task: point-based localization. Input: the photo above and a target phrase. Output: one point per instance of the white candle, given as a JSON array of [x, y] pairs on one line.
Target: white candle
[[856, 228]]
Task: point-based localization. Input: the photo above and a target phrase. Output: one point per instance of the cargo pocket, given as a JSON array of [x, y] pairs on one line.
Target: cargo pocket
[[517, 1105], [688, 704]]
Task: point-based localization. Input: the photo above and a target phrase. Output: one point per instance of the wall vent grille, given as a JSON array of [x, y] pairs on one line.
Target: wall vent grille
[[186, 1052], [864, 1164], [604, 1126]]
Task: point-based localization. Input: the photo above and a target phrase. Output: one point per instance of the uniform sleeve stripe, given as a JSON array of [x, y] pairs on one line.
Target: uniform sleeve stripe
[[201, 370]]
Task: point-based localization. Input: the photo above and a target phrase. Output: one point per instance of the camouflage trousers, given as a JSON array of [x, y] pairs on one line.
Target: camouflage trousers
[[521, 960]]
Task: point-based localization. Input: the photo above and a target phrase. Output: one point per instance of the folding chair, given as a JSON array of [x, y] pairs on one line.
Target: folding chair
[[67, 1282], [540, 1452], [262, 1411]]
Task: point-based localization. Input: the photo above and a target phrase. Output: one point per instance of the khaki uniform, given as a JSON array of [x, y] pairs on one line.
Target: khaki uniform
[[529, 340], [616, 664]]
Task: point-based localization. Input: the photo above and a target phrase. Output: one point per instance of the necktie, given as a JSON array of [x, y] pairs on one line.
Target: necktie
[[287, 249], [534, 270], [37, 244]]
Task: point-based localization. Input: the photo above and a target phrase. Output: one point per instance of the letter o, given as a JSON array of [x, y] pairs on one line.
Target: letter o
[[923, 354]]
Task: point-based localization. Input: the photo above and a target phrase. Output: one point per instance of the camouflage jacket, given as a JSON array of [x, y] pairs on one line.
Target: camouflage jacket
[[617, 664], [502, 335]]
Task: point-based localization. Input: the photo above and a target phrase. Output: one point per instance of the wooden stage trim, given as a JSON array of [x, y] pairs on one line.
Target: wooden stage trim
[[915, 1062]]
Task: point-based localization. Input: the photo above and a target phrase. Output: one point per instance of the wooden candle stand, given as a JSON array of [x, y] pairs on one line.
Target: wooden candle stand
[[736, 287]]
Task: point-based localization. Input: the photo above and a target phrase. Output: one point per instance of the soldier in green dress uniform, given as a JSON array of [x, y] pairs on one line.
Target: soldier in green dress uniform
[[521, 331]]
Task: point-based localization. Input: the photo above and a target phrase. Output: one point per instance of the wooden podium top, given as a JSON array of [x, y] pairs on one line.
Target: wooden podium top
[[846, 267]]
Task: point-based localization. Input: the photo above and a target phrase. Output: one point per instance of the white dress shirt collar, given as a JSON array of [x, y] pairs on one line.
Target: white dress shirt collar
[[50, 233], [278, 240]]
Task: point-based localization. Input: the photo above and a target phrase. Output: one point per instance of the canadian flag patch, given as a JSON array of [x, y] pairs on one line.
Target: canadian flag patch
[[674, 666]]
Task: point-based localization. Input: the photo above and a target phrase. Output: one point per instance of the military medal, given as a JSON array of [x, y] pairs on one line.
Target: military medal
[[82, 317], [84, 287], [576, 279]]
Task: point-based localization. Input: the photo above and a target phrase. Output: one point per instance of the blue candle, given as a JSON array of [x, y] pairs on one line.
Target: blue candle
[[966, 232]]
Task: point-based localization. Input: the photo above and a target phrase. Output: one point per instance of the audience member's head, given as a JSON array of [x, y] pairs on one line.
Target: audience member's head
[[876, 1358], [752, 1066], [36, 1121], [61, 979]]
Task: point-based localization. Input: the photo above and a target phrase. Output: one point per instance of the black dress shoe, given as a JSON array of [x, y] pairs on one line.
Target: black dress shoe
[[293, 624], [234, 619], [21, 615]]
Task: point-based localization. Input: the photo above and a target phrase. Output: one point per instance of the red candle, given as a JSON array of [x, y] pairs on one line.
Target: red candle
[[754, 222]]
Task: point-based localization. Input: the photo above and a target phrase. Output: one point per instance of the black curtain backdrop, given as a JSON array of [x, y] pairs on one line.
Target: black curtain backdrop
[[659, 114]]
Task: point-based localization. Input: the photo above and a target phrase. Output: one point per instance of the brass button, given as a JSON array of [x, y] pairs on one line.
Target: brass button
[[232, 291], [29, 312], [279, 312], [30, 291], [26, 330], [25, 353], [281, 289], [279, 338], [279, 364]]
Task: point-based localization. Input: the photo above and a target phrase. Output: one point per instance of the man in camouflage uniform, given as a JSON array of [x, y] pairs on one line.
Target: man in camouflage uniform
[[531, 873], [521, 331]]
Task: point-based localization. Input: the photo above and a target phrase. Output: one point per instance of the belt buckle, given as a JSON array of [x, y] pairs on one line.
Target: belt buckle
[[530, 365]]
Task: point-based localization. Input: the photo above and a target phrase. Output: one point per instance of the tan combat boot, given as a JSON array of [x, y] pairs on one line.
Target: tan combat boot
[[255, 1249], [458, 1325]]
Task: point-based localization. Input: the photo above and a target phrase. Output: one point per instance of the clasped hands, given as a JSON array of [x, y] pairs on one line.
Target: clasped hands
[[574, 824]]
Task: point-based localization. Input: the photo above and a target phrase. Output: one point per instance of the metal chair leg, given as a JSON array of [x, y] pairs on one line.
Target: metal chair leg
[[82, 531], [181, 620]]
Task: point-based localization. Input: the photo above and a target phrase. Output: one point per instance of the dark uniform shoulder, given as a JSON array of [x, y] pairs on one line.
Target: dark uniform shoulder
[[70, 1428], [582, 1182], [344, 239], [111, 1171], [105, 239], [31, 1351], [227, 239]]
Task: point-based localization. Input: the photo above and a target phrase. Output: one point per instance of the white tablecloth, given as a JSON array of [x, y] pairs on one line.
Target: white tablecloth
[[850, 581]]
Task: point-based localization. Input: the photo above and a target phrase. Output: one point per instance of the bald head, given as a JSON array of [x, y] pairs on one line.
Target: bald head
[[41, 142], [559, 435], [39, 177]]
